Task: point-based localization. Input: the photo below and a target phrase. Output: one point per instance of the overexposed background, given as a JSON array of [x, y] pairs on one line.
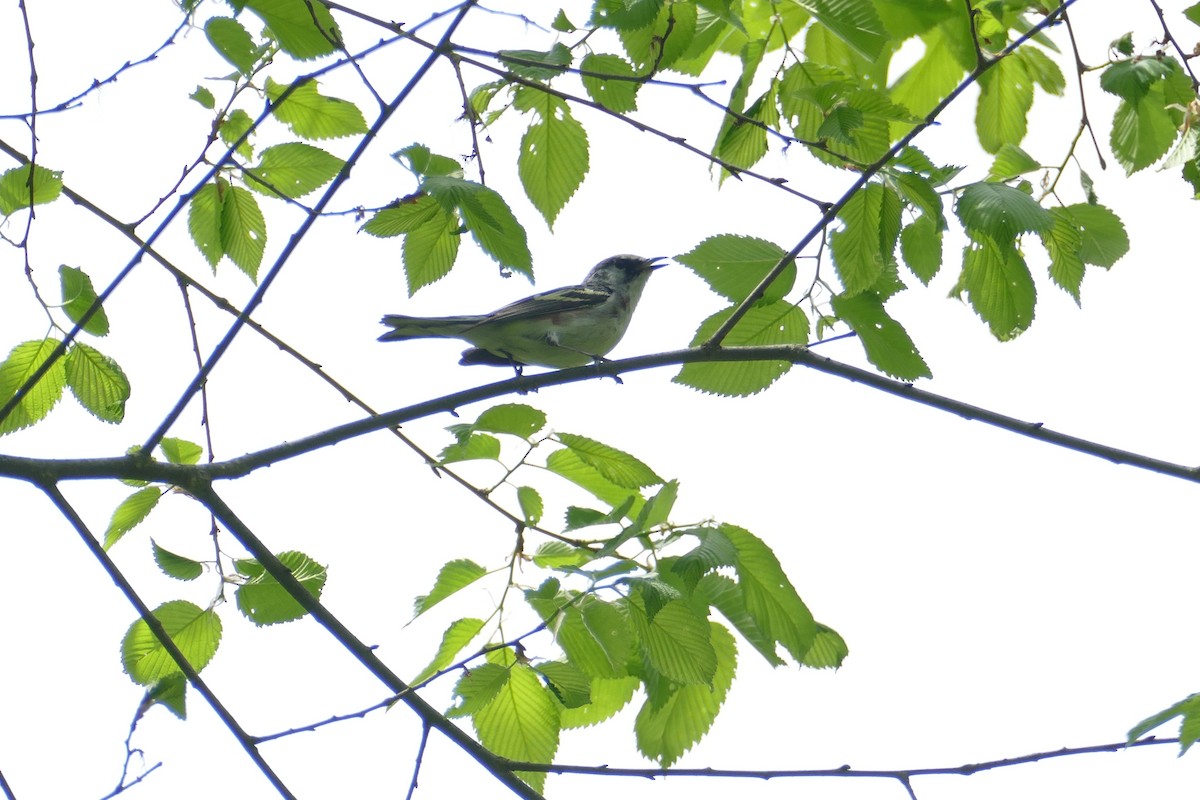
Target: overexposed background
[[999, 596]]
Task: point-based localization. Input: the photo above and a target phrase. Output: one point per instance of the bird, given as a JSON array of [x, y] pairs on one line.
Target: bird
[[567, 327]]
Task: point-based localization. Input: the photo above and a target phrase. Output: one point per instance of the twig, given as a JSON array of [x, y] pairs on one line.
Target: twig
[[839, 772]]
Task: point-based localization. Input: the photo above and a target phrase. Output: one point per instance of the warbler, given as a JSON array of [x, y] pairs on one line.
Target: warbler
[[566, 327]]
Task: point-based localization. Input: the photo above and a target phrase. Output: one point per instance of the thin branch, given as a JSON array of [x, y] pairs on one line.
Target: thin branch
[[412, 785], [1169, 38], [147, 615], [840, 772], [73, 102]]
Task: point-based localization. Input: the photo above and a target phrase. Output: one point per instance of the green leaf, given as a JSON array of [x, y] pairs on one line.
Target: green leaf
[[743, 143], [624, 14], [531, 504], [1189, 726], [775, 323], [571, 686], [734, 265], [999, 212], [457, 636], [130, 513], [477, 446], [770, 598], [607, 695], [658, 508], [739, 142], [170, 692], [293, 170], [1062, 241], [477, 688], [15, 191], [312, 115], [1141, 134], [488, 217], [537, 65], [233, 43], [264, 601], [557, 555], [422, 163], [204, 97], [936, 73], [615, 465], [568, 464], [887, 344], [1104, 240], [303, 29], [861, 248], [828, 649], [204, 220], [921, 247], [181, 451], [78, 296], [855, 22], [1042, 69], [554, 152], [999, 287], [176, 566], [98, 382], [1132, 80], [16, 370], [1147, 120], [430, 250], [453, 577], [404, 216], [521, 722], [720, 592], [668, 729], [663, 43], [841, 124], [562, 24], [1005, 97], [616, 95], [596, 636], [1010, 162], [226, 220], [243, 230], [517, 419], [676, 642], [194, 630], [233, 127]]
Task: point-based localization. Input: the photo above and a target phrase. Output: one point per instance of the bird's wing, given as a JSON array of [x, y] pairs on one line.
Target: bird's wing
[[571, 298]]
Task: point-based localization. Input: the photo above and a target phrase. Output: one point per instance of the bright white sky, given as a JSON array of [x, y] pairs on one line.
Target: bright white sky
[[999, 596]]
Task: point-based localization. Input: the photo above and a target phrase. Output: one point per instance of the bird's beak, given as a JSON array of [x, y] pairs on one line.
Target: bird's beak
[[663, 259]]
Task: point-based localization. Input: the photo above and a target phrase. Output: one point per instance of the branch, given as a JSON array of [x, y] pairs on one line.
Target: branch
[[902, 775], [189, 477]]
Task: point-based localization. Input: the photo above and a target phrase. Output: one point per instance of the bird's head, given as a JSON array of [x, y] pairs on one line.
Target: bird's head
[[623, 272]]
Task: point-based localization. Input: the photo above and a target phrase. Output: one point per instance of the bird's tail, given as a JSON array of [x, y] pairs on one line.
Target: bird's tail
[[426, 327]]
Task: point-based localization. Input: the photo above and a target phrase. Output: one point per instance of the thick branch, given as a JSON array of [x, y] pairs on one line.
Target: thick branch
[[50, 470]]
